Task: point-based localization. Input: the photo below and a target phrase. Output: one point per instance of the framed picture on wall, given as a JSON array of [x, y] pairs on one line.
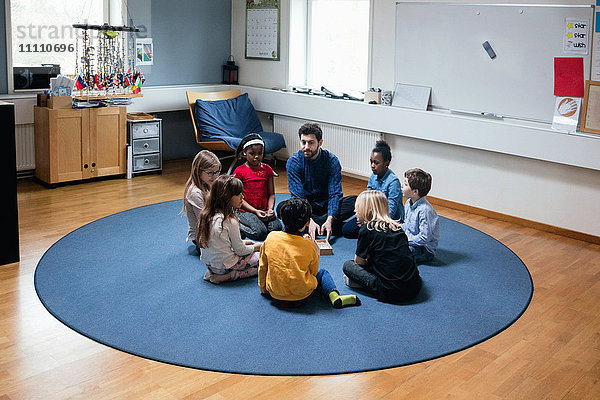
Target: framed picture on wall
[[590, 120], [144, 51]]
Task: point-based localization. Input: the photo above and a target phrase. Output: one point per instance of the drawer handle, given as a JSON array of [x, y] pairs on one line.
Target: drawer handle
[[146, 145], [146, 161], [145, 130]]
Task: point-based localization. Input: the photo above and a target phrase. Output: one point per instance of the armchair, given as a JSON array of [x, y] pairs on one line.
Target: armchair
[[222, 119]]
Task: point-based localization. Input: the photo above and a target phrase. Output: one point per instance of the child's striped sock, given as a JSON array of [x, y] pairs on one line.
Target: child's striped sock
[[338, 301]]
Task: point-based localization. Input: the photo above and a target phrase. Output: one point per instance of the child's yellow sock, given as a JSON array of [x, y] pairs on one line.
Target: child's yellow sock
[[338, 301]]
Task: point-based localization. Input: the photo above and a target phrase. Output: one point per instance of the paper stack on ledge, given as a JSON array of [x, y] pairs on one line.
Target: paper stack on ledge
[[61, 86]]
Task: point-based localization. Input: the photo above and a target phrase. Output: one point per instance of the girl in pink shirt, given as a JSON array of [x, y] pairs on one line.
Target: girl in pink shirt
[[256, 216]]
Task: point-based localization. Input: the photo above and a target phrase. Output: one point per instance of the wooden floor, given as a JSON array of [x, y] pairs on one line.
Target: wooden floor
[[552, 351]]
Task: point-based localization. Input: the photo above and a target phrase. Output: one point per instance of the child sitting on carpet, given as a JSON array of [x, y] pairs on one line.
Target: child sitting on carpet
[[383, 264], [289, 262], [384, 180], [421, 222], [205, 169], [226, 256], [257, 217]]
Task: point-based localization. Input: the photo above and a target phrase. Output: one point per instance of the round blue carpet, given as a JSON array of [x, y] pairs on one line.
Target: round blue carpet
[[130, 282]]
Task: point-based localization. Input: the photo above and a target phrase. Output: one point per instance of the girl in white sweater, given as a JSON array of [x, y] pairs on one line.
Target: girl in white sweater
[[206, 167], [226, 255]]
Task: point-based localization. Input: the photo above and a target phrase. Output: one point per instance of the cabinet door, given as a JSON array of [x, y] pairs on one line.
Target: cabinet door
[[108, 136], [68, 147]]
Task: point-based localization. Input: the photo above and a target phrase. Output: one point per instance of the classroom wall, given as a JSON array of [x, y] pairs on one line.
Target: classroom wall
[[261, 73], [274, 73], [191, 39], [554, 194]]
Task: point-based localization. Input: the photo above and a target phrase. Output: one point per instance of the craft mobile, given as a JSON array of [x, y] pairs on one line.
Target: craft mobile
[[107, 69]]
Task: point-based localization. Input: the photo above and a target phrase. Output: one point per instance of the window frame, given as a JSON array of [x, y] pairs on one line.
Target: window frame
[[112, 11], [303, 23]]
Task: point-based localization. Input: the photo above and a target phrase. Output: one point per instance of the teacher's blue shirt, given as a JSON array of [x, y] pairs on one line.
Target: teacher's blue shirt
[[389, 184], [319, 181]]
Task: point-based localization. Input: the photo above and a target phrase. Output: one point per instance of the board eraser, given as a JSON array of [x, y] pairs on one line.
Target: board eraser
[[488, 48]]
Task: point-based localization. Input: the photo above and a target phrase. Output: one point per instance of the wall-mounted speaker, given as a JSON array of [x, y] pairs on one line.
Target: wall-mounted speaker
[[35, 76]]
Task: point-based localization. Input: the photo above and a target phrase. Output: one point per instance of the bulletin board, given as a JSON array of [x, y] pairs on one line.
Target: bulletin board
[[262, 29], [441, 45]]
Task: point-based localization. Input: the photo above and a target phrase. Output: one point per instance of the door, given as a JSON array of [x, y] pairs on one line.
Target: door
[[108, 136], [69, 147]]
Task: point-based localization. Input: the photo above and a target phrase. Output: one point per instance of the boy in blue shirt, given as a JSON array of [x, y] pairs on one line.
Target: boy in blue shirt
[[421, 222]]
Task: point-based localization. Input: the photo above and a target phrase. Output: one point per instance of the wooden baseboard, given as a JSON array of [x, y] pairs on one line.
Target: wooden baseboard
[[515, 220], [499, 216], [356, 178]]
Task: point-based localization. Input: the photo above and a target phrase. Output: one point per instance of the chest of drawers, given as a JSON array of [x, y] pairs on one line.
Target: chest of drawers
[[145, 140]]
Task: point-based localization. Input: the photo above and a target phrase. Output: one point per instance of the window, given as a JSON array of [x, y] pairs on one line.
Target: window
[[43, 42], [329, 44]]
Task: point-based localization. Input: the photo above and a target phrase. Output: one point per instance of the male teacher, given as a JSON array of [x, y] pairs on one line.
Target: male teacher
[[315, 174]]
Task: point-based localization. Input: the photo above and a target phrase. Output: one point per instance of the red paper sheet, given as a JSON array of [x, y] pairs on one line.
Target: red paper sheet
[[568, 76]]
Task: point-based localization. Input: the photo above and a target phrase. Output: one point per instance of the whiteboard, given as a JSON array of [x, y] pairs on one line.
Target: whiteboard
[[441, 45]]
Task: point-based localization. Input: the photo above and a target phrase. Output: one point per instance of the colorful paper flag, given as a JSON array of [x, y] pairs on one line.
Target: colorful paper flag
[[99, 86], [80, 83]]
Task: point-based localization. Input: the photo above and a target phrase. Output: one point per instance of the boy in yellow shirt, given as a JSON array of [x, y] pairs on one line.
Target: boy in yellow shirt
[[288, 270]]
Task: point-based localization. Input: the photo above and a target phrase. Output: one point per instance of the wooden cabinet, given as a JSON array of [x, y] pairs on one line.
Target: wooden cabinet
[[76, 144]]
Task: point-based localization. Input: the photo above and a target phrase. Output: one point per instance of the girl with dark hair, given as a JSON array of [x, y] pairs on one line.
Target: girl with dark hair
[[384, 180], [226, 256], [257, 217]]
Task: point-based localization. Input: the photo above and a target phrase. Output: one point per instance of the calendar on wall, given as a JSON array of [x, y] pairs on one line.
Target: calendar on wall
[[262, 29]]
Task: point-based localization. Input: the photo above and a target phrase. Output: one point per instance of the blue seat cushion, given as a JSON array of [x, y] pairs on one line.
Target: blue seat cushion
[[232, 119], [273, 141], [228, 120]]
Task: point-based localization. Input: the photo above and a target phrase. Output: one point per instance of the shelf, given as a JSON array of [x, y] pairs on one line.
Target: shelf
[[107, 96]]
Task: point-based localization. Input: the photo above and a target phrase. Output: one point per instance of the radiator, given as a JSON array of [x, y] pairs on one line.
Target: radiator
[[25, 147], [351, 146]]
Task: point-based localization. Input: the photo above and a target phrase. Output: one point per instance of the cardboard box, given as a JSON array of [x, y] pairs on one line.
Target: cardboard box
[[325, 248], [373, 96], [139, 116], [42, 100], [60, 102]]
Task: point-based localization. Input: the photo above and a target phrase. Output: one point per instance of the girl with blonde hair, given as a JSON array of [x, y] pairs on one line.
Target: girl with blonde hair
[[206, 167], [383, 265]]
